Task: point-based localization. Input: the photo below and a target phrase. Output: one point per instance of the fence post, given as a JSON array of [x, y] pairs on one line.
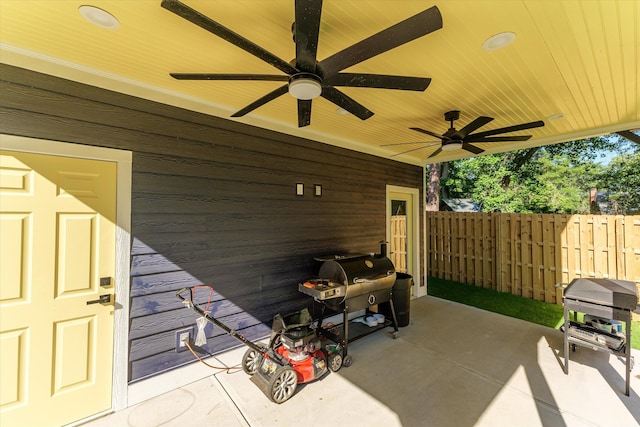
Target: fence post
[[620, 258], [498, 255]]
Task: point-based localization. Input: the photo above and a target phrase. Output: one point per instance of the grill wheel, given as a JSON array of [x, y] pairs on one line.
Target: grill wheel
[[335, 362]]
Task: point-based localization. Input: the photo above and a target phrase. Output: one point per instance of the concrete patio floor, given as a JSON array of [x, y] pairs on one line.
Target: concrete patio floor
[[453, 365]]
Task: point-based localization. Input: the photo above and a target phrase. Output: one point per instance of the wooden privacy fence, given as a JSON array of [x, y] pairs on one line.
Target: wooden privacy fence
[[528, 254], [398, 243]]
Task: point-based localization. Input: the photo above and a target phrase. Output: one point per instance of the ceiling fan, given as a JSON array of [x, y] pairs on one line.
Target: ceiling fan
[[454, 139], [307, 78]]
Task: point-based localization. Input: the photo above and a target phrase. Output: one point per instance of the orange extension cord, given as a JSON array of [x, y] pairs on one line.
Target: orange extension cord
[[222, 368]]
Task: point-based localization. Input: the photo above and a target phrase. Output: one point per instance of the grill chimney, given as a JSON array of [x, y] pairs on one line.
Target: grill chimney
[[383, 248]]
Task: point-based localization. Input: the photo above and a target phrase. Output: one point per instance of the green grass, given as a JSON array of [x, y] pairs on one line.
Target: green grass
[[539, 312]]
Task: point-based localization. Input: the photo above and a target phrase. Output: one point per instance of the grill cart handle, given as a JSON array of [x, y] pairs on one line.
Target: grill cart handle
[[373, 279]]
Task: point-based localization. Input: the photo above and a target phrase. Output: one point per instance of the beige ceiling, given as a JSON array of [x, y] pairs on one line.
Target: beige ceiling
[[577, 58]]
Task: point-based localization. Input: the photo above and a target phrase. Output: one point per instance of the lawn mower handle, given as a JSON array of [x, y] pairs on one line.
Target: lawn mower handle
[[216, 322]]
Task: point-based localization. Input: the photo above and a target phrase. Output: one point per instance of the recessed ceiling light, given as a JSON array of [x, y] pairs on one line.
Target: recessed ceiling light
[[99, 17], [499, 41], [555, 116]]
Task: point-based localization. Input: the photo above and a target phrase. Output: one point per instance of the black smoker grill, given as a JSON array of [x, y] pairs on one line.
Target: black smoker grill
[[606, 299], [351, 283]]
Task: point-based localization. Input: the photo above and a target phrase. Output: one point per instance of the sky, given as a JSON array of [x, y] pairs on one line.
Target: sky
[[607, 156]]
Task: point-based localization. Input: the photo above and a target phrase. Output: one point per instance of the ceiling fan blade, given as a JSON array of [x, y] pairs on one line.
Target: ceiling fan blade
[[523, 126], [472, 148], [411, 143], [304, 112], [428, 132], [477, 140], [260, 102], [343, 101], [477, 123], [210, 76], [224, 33], [403, 32], [307, 29], [435, 153], [379, 81], [630, 136], [409, 151]]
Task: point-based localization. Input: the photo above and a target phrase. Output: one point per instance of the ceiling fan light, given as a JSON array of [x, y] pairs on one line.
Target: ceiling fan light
[[452, 146], [499, 41], [305, 87], [99, 17]]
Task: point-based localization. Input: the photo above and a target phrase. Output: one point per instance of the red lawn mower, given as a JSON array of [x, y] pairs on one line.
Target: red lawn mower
[[294, 354]]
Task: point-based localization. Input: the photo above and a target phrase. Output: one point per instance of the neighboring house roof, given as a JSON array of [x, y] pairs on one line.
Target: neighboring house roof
[[602, 200], [607, 206], [459, 205]]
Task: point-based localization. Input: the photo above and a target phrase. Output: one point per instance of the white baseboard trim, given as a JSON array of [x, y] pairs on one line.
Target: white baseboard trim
[[155, 386]]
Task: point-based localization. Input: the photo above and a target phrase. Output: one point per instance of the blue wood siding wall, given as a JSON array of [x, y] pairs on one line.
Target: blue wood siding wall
[[213, 204]]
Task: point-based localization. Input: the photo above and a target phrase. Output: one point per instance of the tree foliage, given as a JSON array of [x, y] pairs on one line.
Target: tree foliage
[[621, 179], [551, 179]]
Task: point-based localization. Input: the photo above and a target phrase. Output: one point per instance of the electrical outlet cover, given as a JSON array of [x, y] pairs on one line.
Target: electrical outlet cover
[[179, 344]]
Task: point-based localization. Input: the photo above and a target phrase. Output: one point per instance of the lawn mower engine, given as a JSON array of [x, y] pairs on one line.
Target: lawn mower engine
[[302, 348]]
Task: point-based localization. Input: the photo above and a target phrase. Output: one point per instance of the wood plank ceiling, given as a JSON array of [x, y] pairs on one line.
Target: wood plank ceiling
[[576, 60]]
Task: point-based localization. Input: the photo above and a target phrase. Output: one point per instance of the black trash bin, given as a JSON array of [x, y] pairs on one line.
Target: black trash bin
[[401, 299]]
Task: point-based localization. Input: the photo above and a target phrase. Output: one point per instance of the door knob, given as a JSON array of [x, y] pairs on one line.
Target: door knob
[[104, 299]]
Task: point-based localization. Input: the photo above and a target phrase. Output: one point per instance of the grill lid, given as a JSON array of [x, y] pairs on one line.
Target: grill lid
[[365, 268], [612, 293]]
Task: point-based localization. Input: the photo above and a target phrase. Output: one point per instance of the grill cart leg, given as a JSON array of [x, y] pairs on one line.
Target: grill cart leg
[[346, 359], [627, 353], [566, 339], [395, 320]]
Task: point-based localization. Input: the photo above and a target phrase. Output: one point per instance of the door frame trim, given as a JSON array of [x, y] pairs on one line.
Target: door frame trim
[[418, 290], [123, 160]]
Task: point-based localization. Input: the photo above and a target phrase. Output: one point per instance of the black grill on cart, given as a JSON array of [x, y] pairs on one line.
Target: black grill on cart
[[604, 299], [348, 284]]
